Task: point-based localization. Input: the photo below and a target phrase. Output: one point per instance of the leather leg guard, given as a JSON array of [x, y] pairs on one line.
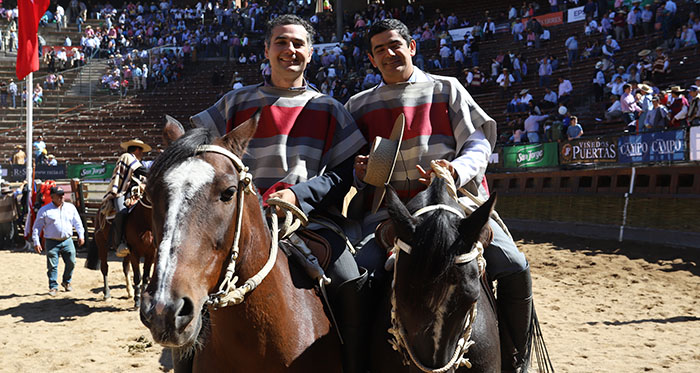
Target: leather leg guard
[[349, 301], [515, 320], [116, 231]]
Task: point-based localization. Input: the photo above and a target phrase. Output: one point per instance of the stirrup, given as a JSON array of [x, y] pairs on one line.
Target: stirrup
[[122, 250]]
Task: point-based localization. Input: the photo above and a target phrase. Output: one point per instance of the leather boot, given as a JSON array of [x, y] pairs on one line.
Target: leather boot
[[117, 235], [515, 320], [349, 301]]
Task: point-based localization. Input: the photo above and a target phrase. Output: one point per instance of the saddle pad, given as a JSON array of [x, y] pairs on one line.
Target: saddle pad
[[319, 246]]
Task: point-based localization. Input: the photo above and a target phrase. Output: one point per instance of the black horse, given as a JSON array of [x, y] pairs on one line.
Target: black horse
[[437, 301]]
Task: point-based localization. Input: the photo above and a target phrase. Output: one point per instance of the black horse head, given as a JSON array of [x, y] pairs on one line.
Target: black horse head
[[434, 293]]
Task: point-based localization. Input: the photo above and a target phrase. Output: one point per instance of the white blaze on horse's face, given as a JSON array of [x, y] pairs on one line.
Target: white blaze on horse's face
[[183, 181]]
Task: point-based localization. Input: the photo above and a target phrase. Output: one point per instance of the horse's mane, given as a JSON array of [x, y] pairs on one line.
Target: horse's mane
[[179, 151], [436, 241]]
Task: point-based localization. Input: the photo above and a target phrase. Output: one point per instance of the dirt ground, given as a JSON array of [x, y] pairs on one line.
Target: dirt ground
[[603, 307]]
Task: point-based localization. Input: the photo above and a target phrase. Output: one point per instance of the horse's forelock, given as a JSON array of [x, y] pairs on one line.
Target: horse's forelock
[[179, 151], [434, 249]]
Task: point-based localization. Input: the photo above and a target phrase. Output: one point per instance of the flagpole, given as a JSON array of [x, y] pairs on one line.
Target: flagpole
[[29, 153]]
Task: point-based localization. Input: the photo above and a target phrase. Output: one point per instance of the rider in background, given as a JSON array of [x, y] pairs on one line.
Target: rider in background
[[443, 123], [302, 152], [128, 168]]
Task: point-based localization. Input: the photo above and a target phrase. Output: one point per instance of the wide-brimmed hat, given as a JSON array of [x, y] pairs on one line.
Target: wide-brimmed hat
[[524, 91], [5, 189], [18, 146], [382, 159], [645, 88], [50, 156], [644, 52], [136, 142], [599, 65], [676, 89]]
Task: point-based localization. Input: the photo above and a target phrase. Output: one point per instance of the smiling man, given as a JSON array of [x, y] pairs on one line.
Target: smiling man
[[443, 123], [301, 152]]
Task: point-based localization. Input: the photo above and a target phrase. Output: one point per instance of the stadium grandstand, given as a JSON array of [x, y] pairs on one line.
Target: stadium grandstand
[[592, 98]]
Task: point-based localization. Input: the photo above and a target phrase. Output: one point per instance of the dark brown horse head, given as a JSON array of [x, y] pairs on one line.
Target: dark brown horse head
[[194, 206], [433, 292]]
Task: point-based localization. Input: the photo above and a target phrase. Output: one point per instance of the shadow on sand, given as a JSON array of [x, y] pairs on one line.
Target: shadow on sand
[[54, 310]]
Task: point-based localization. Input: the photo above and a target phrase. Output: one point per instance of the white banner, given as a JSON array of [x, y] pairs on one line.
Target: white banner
[[575, 15], [695, 143], [461, 33]]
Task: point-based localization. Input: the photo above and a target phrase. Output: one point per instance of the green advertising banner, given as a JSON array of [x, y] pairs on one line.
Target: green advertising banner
[[533, 155], [92, 171]]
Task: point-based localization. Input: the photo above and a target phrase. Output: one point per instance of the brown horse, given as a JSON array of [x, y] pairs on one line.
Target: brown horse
[[437, 302], [139, 239], [202, 215]]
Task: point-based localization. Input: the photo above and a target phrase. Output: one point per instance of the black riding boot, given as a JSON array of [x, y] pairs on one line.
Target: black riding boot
[[515, 320], [116, 238], [349, 302]]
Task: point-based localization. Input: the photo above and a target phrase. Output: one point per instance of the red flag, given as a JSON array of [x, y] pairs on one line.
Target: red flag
[[30, 12]]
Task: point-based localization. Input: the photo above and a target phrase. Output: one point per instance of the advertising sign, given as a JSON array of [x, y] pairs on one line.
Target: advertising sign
[[575, 14], [589, 151], [694, 143], [549, 19], [92, 171], [42, 172], [533, 155], [459, 34], [652, 147]]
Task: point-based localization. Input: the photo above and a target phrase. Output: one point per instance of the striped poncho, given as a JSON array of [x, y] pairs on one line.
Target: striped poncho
[[440, 116], [301, 134]]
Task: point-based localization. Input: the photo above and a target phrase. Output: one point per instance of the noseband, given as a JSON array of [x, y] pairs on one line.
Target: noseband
[[228, 294], [399, 341]]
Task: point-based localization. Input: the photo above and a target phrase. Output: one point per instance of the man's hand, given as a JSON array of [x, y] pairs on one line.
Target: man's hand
[[361, 166], [38, 249], [286, 195], [81, 241], [425, 175]]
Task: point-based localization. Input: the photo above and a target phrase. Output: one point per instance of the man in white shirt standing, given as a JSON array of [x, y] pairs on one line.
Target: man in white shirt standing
[[57, 220]]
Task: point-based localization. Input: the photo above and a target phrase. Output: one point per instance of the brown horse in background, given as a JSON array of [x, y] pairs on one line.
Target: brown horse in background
[[281, 325], [139, 239]]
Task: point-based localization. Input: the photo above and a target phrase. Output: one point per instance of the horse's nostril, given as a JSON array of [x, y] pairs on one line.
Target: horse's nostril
[[185, 314]]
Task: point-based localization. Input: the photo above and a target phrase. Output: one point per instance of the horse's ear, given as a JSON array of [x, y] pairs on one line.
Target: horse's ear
[[470, 228], [237, 140], [172, 131], [404, 222]]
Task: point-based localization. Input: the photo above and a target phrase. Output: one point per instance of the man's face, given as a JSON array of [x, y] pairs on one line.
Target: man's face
[[57, 199], [288, 51], [392, 56]]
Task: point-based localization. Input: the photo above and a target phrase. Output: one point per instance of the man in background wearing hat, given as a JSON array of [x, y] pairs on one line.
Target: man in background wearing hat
[[443, 124], [678, 107], [20, 157], [127, 169], [57, 220], [302, 152], [694, 108]]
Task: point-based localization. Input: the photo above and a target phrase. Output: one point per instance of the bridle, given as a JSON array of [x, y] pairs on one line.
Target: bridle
[[228, 293], [399, 341]]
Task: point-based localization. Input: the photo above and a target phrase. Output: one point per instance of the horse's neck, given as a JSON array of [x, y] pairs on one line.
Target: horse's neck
[[277, 320]]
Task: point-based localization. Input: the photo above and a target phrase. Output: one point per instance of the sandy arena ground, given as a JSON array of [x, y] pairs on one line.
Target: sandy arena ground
[[603, 307]]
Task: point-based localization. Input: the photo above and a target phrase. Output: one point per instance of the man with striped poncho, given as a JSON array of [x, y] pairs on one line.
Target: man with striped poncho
[[443, 123], [301, 152]]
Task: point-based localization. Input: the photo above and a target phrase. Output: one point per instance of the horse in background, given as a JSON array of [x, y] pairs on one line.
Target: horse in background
[[440, 316], [202, 210], [139, 239]]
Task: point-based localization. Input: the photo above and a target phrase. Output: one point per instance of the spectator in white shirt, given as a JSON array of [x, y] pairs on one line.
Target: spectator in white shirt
[[565, 90], [614, 111]]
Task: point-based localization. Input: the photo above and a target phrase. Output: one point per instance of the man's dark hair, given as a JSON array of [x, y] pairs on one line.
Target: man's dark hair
[[625, 87], [388, 24], [289, 19], [132, 148], [574, 118]]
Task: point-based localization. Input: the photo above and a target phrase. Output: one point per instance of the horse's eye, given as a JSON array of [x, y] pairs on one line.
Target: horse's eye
[[228, 194]]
